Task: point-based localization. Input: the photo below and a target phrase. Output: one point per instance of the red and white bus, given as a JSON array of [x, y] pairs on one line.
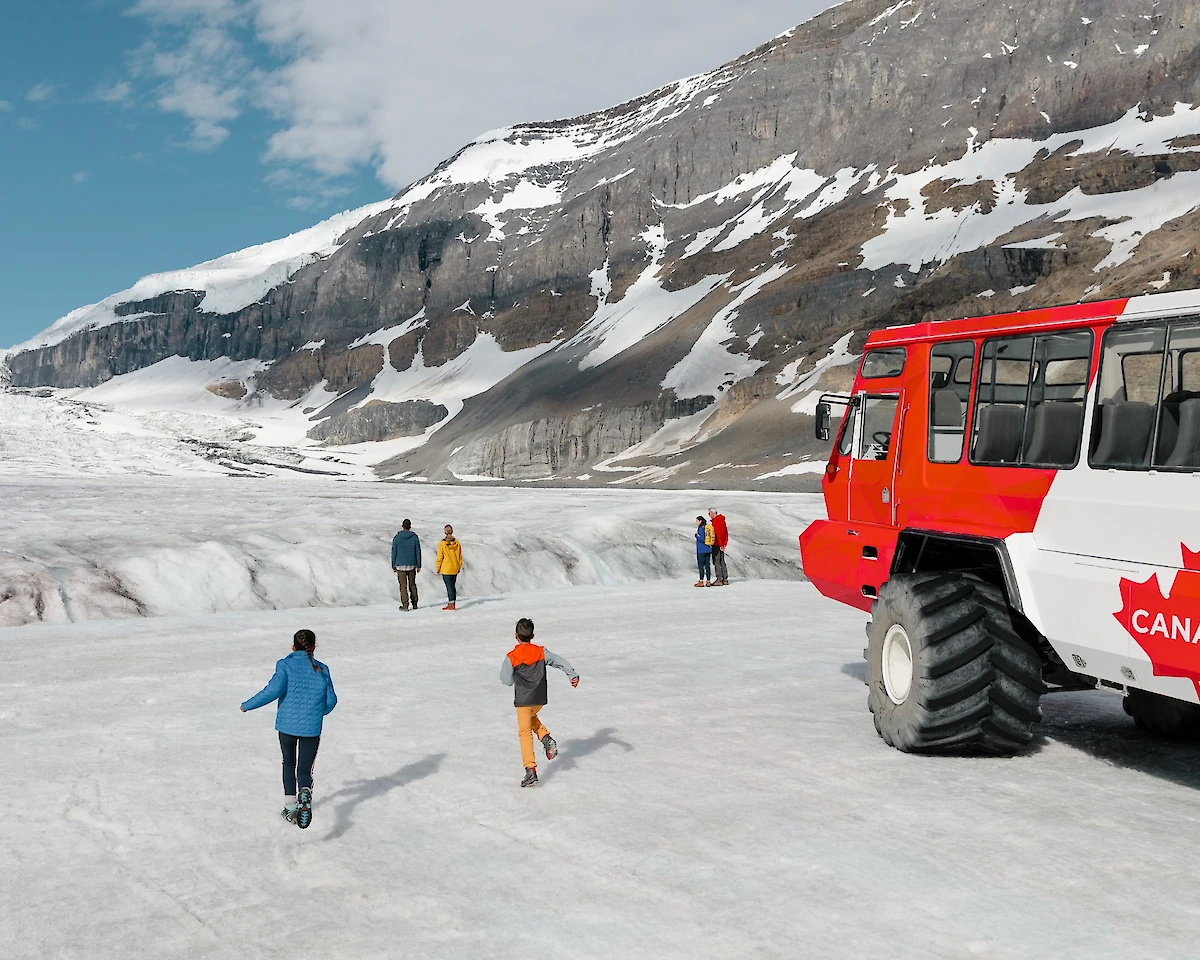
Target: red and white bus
[[1016, 500]]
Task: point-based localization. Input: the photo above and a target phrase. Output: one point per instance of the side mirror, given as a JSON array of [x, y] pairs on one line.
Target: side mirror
[[822, 425]]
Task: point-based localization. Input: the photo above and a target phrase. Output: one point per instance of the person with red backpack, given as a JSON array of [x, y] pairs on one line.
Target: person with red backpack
[[721, 534]]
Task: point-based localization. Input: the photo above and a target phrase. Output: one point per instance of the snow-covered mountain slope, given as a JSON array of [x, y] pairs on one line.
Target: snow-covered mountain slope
[[649, 288], [224, 285]]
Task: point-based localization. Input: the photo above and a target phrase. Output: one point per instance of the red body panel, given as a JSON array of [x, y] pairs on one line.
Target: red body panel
[[958, 498], [842, 571]]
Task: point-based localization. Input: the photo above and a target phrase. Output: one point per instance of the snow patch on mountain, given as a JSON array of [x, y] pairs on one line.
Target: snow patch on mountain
[[477, 369], [710, 366], [914, 237], [513, 153], [523, 196], [646, 307], [388, 334], [230, 283]]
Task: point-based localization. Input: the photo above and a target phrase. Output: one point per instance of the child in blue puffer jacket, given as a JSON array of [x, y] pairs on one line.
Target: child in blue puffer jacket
[[305, 693]]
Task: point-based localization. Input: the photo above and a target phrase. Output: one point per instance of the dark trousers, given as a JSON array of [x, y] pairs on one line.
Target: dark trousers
[[408, 587], [703, 565], [299, 755], [718, 562], [451, 589]]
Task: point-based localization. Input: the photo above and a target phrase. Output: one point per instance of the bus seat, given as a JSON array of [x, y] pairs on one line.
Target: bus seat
[[998, 439], [947, 409], [1125, 430], [1055, 431], [946, 427], [1187, 444]]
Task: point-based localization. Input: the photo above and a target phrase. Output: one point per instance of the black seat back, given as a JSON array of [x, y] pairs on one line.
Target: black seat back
[[998, 435], [1186, 452], [1125, 430], [1056, 427]]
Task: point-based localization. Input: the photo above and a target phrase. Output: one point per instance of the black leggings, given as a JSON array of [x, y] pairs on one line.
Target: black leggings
[[299, 755]]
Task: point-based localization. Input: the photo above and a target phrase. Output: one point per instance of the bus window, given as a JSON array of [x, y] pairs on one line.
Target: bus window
[[949, 398]]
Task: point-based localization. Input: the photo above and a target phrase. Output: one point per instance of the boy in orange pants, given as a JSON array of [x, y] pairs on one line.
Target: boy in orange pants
[[524, 669]]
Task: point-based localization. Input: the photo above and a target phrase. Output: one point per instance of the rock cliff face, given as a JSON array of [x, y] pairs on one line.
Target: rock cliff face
[[377, 421], [553, 446], [883, 163]]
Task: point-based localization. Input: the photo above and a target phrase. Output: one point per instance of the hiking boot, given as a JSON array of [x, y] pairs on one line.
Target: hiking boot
[[449, 606], [698, 583], [288, 814], [550, 747], [304, 808], [530, 777]]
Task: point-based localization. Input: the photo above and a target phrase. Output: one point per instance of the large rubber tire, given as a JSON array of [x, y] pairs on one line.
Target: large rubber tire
[[1161, 715], [975, 684]]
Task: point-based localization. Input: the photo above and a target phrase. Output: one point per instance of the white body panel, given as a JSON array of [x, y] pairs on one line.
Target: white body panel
[[1099, 527]]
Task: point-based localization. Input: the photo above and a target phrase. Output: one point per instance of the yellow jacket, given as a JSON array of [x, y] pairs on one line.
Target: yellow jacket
[[449, 556]]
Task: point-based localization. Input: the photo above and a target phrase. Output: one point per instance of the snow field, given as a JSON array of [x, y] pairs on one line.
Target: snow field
[[720, 793], [86, 549]]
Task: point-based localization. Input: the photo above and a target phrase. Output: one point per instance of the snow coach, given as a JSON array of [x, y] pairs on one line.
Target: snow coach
[[1015, 499]]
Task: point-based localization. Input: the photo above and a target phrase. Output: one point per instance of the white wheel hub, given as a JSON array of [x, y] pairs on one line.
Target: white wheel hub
[[897, 664]]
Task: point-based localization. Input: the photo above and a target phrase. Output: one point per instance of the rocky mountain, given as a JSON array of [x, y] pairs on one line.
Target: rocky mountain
[[652, 294]]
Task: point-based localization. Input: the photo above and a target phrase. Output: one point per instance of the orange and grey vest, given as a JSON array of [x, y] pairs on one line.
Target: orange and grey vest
[[529, 674], [525, 670]]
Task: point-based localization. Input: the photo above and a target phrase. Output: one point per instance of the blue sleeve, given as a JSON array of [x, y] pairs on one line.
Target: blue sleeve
[[395, 547], [330, 693], [275, 689], [506, 672], [418, 553]]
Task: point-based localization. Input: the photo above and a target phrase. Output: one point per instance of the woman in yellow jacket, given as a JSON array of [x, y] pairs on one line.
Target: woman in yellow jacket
[[449, 563]]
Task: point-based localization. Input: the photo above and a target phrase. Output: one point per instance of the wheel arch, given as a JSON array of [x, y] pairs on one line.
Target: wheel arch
[[930, 551]]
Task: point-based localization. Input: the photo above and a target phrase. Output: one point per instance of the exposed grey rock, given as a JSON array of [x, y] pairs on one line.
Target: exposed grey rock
[[551, 445], [379, 420], [229, 389]]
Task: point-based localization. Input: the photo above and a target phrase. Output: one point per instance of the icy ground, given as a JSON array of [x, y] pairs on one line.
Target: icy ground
[[96, 548], [720, 793]]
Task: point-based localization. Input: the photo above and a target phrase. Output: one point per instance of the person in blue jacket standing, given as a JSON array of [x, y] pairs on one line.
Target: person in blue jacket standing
[[304, 689], [406, 562], [704, 548]]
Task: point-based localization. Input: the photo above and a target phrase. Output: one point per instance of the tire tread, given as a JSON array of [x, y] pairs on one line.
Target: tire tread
[[976, 684]]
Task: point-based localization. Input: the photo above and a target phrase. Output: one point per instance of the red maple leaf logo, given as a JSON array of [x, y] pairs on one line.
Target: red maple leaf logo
[[1167, 627]]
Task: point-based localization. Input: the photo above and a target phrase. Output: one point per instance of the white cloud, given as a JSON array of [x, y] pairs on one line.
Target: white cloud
[[79, 176], [5, 106], [114, 93], [40, 92], [400, 86], [211, 12], [198, 60]]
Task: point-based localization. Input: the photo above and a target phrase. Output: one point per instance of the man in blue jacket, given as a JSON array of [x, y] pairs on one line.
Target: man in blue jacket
[[406, 561]]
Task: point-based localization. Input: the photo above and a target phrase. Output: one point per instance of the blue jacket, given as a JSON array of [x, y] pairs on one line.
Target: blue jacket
[[305, 696], [701, 546], [406, 549]]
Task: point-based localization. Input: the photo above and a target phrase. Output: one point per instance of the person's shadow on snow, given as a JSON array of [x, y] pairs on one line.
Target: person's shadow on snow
[[572, 750], [362, 790]]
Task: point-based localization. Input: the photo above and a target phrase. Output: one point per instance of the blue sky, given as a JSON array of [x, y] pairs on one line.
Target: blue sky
[[146, 135]]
